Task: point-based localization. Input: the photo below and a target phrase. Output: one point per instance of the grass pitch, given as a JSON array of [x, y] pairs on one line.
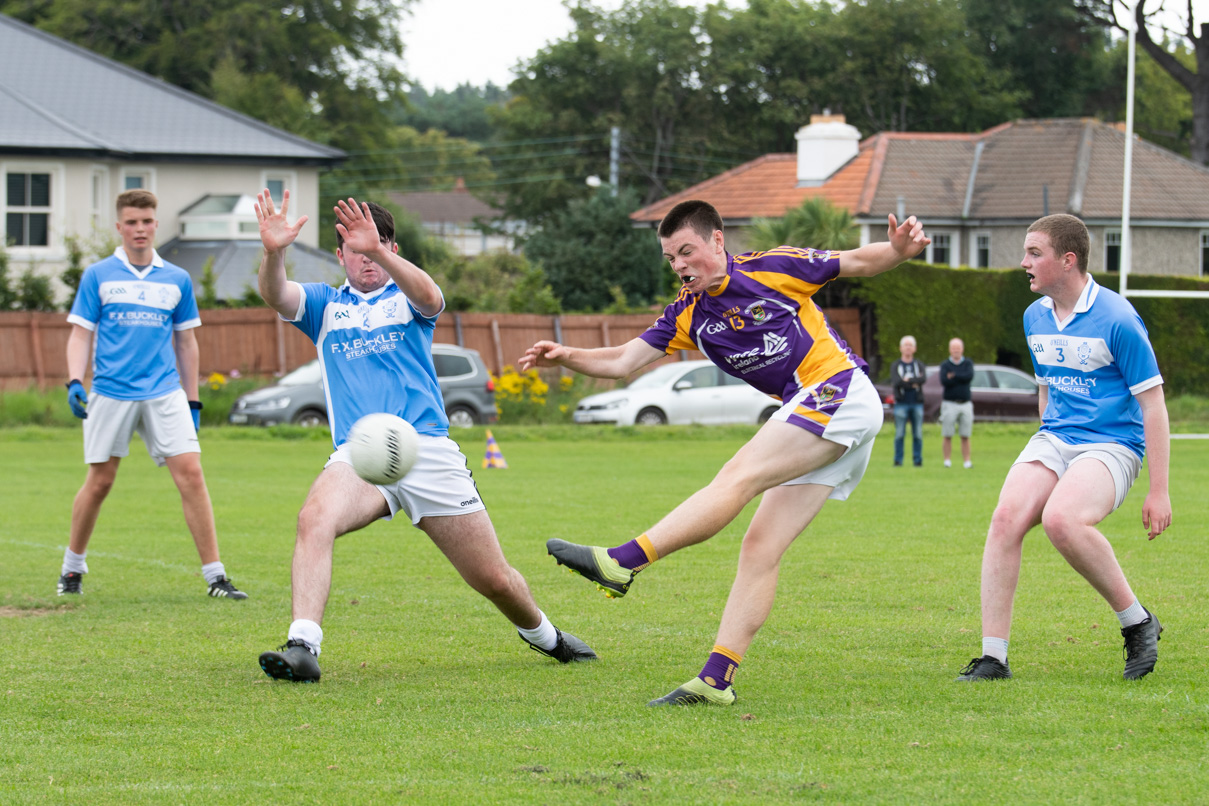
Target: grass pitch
[[146, 691]]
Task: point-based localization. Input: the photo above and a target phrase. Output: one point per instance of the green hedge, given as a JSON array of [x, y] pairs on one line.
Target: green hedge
[[985, 307]]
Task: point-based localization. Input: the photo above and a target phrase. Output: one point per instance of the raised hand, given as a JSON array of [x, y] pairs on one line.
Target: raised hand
[[276, 233], [908, 238], [356, 226]]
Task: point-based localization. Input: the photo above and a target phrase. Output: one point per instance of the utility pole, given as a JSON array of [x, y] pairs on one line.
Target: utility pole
[[614, 158]]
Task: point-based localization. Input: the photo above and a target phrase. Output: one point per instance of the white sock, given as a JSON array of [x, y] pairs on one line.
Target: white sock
[[1134, 614], [213, 571], [996, 648], [74, 563], [308, 632], [543, 635]]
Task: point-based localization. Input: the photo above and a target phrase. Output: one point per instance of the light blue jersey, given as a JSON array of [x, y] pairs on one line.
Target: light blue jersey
[[1093, 364], [376, 354], [133, 315]]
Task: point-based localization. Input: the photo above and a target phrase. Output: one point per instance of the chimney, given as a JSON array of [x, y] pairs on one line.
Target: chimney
[[824, 147]]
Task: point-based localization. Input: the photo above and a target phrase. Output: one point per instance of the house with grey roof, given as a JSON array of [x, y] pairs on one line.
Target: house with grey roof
[[77, 129], [470, 226], [977, 193]]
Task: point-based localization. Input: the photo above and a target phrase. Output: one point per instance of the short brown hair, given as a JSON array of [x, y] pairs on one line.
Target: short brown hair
[[1066, 234], [699, 215], [142, 199], [383, 220]]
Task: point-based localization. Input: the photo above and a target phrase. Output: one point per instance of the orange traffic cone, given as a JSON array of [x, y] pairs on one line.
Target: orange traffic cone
[[494, 457]]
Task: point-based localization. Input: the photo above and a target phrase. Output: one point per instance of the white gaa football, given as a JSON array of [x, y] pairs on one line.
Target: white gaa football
[[383, 447]]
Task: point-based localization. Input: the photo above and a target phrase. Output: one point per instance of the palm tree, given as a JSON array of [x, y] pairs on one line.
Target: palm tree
[[815, 223]]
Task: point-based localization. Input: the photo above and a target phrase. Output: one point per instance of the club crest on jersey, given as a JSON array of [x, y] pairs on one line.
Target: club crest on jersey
[[825, 394], [164, 296], [1084, 352], [757, 313], [389, 308]]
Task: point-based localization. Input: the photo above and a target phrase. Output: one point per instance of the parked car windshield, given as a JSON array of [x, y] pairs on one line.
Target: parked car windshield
[[656, 377], [306, 375]]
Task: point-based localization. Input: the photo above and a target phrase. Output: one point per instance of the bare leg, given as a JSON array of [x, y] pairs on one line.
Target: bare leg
[[87, 505], [1025, 491], [946, 448], [187, 472], [1082, 499], [782, 515], [965, 449], [777, 453], [339, 502], [470, 544]]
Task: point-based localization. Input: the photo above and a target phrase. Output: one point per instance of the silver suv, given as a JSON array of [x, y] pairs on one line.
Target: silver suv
[[298, 398]]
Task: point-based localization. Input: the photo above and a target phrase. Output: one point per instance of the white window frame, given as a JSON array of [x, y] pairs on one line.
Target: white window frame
[[974, 238], [954, 244], [1204, 243], [56, 211], [98, 179], [145, 171], [1112, 237], [288, 180]]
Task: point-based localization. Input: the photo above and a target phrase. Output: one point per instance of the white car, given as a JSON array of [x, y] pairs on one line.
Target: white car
[[679, 393]]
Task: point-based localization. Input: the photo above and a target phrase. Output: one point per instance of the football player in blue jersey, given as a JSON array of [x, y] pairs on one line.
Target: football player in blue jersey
[[1102, 410], [141, 313], [753, 315], [374, 339]]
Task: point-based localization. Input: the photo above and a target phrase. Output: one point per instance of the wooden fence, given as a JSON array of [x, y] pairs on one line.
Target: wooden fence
[[255, 341]]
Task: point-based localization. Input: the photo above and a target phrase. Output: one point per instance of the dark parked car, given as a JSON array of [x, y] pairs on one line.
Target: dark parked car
[[298, 397], [998, 392]]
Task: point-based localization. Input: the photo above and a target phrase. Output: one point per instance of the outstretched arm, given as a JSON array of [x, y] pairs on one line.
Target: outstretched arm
[[906, 240], [1156, 509], [599, 362], [276, 233], [356, 226]]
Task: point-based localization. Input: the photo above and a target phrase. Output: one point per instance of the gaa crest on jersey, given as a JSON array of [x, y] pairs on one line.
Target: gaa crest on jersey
[[757, 313], [825, 394]]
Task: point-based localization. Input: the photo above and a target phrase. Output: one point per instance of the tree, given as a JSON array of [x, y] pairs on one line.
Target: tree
[[912, 65], [1155, 40], [499, 282], [461, 112], [815, 223], [1055, 58], [593, 245], [638, 68]]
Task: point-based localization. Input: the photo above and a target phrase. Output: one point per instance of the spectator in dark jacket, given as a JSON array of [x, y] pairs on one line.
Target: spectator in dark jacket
[[956, 409], [907, 379]]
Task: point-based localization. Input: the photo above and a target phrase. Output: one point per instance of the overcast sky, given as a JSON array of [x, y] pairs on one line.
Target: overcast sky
[[452, 42]]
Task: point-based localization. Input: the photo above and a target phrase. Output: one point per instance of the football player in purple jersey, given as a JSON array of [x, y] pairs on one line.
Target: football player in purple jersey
[[753, 316]]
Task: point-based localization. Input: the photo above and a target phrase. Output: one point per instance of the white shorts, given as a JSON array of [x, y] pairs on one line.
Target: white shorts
[[439, 484], [955, 415], [854, 424], [1058, 456], [165, 424]]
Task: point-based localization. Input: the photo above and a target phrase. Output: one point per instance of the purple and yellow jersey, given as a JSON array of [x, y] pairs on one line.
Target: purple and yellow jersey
[[762, 326]]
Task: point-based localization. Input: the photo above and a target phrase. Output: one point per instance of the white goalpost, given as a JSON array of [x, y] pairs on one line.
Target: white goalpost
[[1126, 188]]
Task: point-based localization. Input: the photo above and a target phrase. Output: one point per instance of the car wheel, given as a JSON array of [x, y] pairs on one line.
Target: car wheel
[[650, 416], [310, 418], [462, 417], [766, 415]]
